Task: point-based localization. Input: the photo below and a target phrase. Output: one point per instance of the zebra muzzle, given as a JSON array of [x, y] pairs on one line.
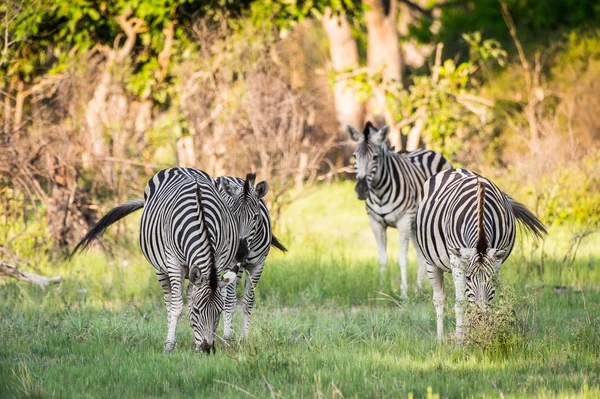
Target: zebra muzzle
[[361, 189], [242, 252], [206, 348]]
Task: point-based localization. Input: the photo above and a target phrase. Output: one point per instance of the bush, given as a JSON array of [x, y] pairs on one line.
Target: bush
[[494, 330]]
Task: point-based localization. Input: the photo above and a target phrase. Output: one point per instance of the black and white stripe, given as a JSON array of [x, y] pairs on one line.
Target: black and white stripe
[[247, 205], [187, 231], [467, 226], [391, 185]]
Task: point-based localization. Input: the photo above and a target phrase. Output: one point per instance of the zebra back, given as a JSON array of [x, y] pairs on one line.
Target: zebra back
[[461, 209], [174, 221], [429, 162], [397, 185]]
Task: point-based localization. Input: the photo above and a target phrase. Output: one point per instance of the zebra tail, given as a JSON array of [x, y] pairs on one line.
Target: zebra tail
[[111, 217], [482, 244], [527, 219], [277, 244], [213, 279]]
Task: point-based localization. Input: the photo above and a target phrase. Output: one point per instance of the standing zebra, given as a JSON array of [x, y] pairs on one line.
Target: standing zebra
[[466, 226], [187, 231], [248, 207], [391, 184]]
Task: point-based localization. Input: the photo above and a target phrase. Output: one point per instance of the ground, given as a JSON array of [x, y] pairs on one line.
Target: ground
[[323, 326]]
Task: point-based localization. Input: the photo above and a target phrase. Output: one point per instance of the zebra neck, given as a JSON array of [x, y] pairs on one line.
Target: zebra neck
[[386, 167]]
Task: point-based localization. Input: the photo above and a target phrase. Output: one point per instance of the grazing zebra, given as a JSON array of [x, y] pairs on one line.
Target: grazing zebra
[[248, 207], [466, 226], [391, 184], [187, 231]]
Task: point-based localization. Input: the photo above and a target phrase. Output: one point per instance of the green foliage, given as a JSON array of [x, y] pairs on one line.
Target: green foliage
[[574, 196], [374, 350], [320, 325], [483, 52], [494, 330], [537, 21], [447, 102]]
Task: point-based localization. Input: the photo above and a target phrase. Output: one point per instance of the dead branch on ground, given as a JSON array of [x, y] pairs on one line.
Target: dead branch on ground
[[11, 270]]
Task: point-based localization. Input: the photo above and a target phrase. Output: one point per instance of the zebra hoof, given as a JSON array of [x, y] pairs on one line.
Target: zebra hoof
[[169, 347]]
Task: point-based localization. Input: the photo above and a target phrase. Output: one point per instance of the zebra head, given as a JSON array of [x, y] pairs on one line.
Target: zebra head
[[205, 305], [368, 149], [246, 209], [482, 263], [480, 271]]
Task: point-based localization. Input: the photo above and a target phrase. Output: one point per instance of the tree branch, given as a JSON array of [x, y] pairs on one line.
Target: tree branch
[[131, 27], [10, 270]]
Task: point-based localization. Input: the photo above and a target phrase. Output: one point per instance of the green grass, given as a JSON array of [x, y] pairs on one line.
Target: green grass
[[322, 326]]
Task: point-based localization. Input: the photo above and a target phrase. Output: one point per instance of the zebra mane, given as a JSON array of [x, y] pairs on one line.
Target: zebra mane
[[213, 273], [367, 129], [249, 183], [482, 244]]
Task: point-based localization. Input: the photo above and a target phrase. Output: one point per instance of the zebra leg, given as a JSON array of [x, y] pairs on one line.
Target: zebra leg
[[381, 237], [436, 278], [458, 275], [421, 263], [404, 231], [164, 281], [174, 309], [252, 276], [230, 304]]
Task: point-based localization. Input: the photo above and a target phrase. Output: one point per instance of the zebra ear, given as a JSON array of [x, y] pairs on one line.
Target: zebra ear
[[195, 276], [380, 136], [464, 254], [231, 189], [261, 189], [497, 255], [354, 134], [455, 252]]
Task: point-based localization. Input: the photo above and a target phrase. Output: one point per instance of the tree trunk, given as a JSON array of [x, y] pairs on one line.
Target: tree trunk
[[383, 48], [383, 55], [93, 114], [8, 111], [344, 55], [415, 54], [414, 135], [19, 102], [186, 151]]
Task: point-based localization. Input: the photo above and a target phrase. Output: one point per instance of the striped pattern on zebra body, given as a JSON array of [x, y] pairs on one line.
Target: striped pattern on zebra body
[[242, 196], [391, 185], [467, 226], [187, 230]]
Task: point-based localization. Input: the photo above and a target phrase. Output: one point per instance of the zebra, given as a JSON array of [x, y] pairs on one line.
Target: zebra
[[466, 226], [391, 186], [187, 231], [249, 208]]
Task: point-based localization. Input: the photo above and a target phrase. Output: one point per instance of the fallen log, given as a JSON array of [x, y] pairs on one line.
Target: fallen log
[[10, 270]]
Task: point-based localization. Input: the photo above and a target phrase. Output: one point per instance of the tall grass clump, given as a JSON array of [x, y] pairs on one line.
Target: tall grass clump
[[496, 330]]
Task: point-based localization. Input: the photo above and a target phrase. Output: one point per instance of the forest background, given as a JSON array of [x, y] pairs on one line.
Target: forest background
[[98, 95]]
